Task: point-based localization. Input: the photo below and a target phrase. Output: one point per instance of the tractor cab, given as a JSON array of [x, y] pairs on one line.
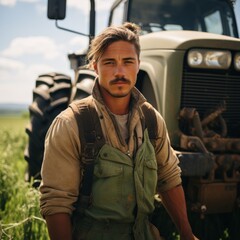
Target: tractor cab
[[214, 16]]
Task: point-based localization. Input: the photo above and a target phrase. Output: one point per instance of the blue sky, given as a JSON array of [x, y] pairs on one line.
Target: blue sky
[[30, 44]]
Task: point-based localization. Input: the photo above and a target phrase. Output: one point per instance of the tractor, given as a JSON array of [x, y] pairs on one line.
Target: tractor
[[190, 72]]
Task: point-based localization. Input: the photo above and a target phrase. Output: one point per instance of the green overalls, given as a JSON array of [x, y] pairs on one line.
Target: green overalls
[[122, 195]]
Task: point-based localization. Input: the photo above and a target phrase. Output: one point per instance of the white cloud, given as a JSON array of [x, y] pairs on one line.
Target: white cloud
[[100, 5], [33, 70], [84, 4], [12, 3], [7, 64], [40, 45], [41, 8], [15, 93], [8, 3], [18, 80], [29, 1], [79, 42], [12, 71]]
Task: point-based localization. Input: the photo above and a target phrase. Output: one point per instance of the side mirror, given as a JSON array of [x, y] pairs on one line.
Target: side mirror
[[56, 9]]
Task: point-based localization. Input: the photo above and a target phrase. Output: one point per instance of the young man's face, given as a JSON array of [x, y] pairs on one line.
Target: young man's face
[[117, 69]]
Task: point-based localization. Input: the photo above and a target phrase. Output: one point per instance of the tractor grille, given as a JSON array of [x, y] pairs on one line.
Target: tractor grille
[[208, 89]]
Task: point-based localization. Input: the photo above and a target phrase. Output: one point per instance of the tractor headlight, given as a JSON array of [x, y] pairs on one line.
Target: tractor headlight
[[237, 61], [215, 59]]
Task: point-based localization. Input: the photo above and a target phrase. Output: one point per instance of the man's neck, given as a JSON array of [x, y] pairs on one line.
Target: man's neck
[[118, 106]]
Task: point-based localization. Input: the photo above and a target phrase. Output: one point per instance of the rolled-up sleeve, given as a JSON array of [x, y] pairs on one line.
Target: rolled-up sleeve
[[169, 173], [61, 171]]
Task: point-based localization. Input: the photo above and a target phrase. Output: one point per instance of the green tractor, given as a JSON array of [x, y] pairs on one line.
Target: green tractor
[[190, 72]]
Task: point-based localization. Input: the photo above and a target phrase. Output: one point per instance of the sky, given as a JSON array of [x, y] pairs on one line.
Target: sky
[[30, 44]]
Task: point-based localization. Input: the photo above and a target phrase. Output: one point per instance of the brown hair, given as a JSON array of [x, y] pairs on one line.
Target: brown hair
[[128, 32]]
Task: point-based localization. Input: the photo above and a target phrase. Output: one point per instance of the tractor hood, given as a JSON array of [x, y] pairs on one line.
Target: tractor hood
[[183, 40]]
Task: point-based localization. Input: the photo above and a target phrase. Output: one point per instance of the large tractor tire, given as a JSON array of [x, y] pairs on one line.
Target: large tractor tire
[[52, 94]]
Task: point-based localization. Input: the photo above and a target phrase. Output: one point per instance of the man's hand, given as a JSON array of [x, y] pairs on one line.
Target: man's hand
[[174, 202], [59, 226]]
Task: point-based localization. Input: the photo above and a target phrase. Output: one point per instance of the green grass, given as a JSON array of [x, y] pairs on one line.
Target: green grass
[[14, 123], [19, 201]]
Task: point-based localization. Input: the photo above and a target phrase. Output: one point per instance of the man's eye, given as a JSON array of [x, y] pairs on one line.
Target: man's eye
[[109, 63], [129, 62]]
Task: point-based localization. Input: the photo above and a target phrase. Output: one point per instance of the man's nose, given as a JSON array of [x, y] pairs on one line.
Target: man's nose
[[119, 72]]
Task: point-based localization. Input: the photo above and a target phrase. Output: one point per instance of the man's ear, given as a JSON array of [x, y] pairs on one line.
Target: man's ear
[[95, 67]]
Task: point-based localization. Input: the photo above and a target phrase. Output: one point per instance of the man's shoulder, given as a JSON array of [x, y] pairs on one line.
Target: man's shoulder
[[66, 115], [148, 105], [82, 106], [69, 114], [153, 110], [81, 102], [148, 108]]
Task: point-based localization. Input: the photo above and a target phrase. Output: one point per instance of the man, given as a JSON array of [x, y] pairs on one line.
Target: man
[[128, 169]]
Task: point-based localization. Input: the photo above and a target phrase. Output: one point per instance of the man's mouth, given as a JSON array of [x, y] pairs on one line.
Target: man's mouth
[[120, 81]]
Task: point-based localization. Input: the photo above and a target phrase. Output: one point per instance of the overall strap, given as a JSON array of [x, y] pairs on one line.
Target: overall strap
[[150, 122], [91, 138]]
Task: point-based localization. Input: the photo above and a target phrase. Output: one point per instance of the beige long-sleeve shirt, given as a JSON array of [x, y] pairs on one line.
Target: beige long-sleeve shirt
[[61, 169]]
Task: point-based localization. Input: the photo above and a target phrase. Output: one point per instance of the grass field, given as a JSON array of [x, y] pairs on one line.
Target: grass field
[[14, 123], [19, 201]]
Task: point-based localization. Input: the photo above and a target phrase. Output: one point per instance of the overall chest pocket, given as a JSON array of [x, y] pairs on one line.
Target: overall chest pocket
[[111, 172], [106, 169]]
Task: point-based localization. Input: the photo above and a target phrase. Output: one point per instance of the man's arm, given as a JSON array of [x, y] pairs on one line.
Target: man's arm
[[59, 226], [174, 202], [58, 193]]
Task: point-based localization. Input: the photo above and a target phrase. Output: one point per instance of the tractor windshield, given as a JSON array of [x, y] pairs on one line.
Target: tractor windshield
[[215, 16]]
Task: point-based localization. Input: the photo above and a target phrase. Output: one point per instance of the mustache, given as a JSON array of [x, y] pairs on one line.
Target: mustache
[[116, 80]]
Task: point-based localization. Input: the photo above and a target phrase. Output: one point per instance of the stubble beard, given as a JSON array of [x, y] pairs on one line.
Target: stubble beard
[[117, 95], [120, 94]]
